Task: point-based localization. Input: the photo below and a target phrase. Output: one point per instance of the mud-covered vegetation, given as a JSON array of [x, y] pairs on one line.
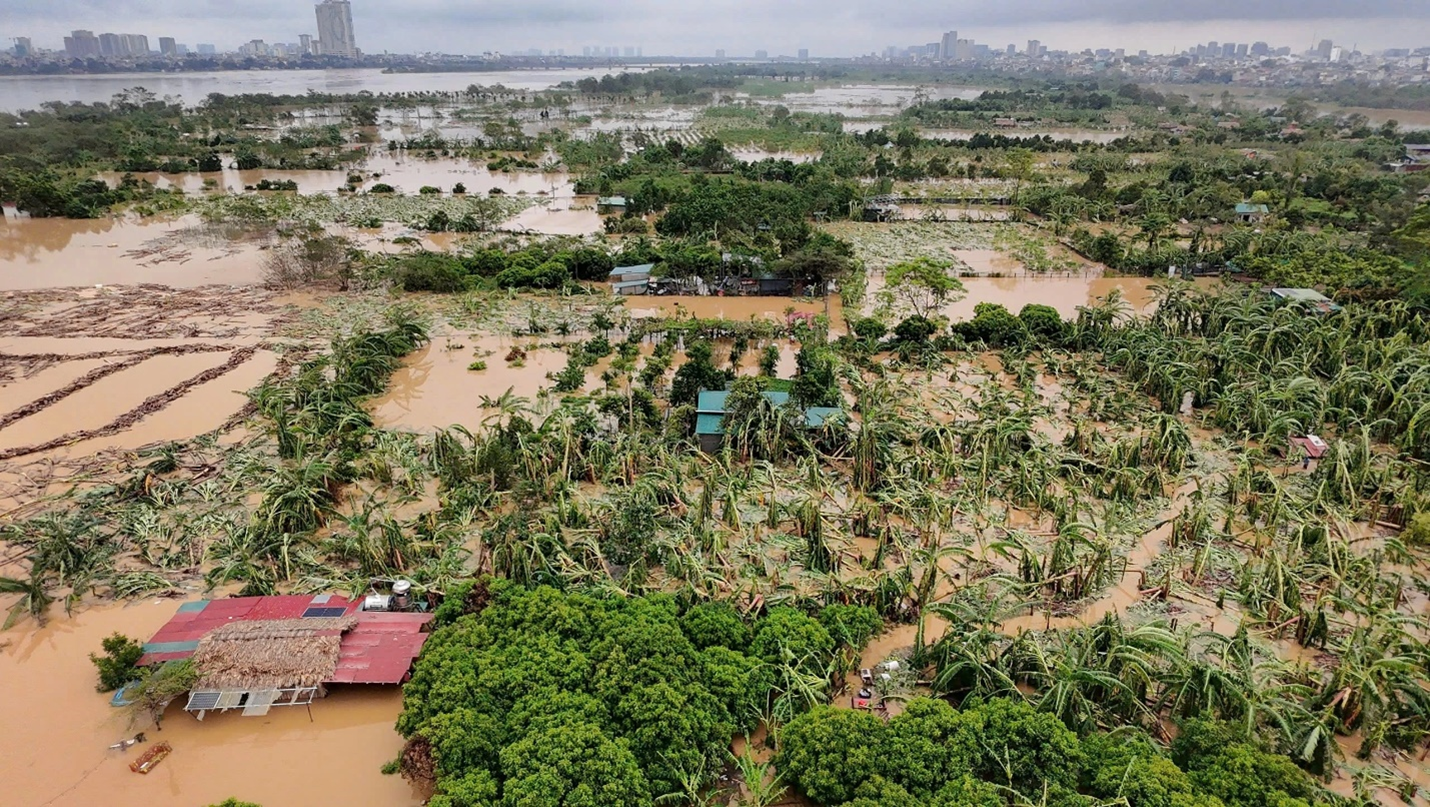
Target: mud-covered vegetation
[[1078, 554]]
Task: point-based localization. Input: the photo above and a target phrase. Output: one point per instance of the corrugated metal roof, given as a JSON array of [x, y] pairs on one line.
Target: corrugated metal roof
[[709, 424], [381, 648], [194, 620], [714, 401], [1245, 209], [630, 270]]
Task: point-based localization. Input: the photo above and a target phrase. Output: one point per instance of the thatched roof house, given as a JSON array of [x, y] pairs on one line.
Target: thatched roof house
[[253, 653], [271, 654]]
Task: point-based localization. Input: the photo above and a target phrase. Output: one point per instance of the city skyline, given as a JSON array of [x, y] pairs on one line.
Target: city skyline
[[739, 27]]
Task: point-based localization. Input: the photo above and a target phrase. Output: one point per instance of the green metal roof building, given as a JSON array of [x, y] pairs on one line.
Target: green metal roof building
[[710, 416]]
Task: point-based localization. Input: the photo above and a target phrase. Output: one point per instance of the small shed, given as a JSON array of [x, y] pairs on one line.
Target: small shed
[[611, 204], [1252, 214], [1311, 445], [627, 288], [1308, 297], [622, 274], [710, 416]]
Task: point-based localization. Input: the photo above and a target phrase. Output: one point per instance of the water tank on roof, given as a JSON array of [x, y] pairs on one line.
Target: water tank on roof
[[401, 595]]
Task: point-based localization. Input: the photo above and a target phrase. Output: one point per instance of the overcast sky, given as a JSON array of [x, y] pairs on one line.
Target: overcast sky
[[826, 27]]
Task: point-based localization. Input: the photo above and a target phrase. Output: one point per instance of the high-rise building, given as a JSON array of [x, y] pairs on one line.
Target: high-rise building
[[168, 47], [111, 45], [205, 50], [1035, 48], [762, 54], [628, 52], [946, 47], [804, 54], [1243, 50], [305, 44], [82, 45], [335, 29], [1011, 50], [23, 47], [136, 44], [1260, 49], [1323, 50], [720, 53]]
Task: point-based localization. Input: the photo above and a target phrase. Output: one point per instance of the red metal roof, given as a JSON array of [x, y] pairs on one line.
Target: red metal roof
[[194, 620], [381, 649]]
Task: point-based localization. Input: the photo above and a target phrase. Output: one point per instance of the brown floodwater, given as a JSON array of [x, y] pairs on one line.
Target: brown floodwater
[[952, 213], [105, 400], [17, 392], [201, 410], [54, 751], [556, 219], [988, 261], [406, 173], [57, 253], [434, 389], [1065, 294], [732, 308]]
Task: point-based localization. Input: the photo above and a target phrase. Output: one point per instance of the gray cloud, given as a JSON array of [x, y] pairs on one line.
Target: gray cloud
[[830, 26]]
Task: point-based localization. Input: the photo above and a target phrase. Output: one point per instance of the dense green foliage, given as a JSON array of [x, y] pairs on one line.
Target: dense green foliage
[[542, 697], [117, 666], [1005, 752]]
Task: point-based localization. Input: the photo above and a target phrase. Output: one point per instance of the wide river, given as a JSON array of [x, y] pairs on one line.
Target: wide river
[[29, 92]]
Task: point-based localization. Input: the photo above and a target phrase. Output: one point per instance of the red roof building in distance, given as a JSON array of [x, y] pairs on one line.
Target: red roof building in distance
[[379, 648]]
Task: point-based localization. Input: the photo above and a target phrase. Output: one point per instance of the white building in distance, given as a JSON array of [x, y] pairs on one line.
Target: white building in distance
[[335, 29]]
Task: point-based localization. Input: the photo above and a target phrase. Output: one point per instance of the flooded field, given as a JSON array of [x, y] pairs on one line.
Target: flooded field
[[859, 99], [29, 92], [435, 389], [407, 174], [98, 369], [57, 751], [1075, 135], [59, 253]]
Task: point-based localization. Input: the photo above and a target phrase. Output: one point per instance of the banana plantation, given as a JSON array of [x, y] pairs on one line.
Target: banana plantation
[[1099, 527]]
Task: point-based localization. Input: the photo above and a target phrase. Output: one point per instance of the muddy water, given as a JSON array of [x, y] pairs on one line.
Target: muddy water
[[560, 217], [56, 253], [54, 751], [406, 173], [988, 261], [870, 99], [201, 410], [1065, 294], [732, 308], [100, 403], [434, 389], [17, 392], [29, 92], [952, 213]]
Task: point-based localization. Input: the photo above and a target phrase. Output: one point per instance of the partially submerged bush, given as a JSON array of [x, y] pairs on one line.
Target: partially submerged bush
[[117, 665]]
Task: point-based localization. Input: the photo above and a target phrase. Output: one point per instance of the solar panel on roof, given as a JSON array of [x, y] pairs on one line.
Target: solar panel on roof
[[323, 613], [202, 700]]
